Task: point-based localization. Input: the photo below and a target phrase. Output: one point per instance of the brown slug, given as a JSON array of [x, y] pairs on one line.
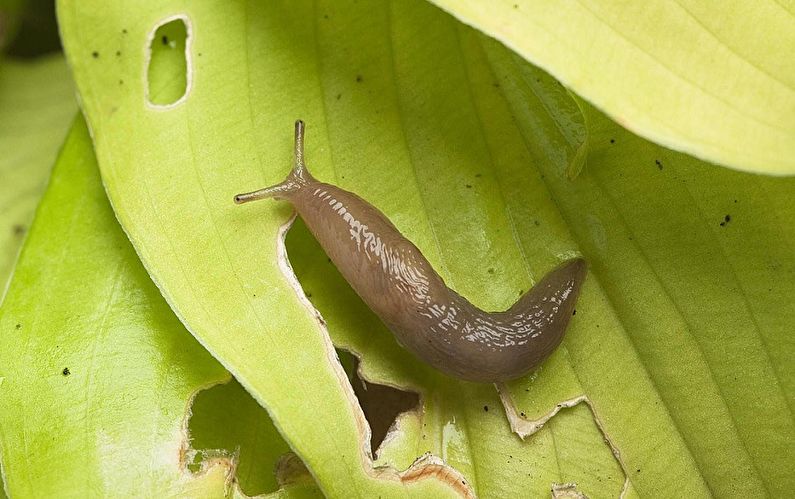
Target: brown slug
[[396, 281]]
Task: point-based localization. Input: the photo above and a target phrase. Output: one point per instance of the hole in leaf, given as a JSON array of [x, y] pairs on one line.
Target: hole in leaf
[[381, 404], [167, 73], [227, 422]]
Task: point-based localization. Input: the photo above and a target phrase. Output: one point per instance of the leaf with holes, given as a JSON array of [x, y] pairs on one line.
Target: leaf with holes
[[102, 364], [106, 367], [467, 149], [708, 78]]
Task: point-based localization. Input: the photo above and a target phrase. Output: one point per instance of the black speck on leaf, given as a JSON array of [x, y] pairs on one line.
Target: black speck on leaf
[[18, 229], [165, 40], [612, 141], [520, 292], [726, 220], [118, 53], [121, 82], [95, 54], [486, 408], [478, 175], [339, 96], [468, 186], [65, 371], [659, 165], [309, 295], [124, 31], [18, 327], [358, 78], [536, 223], [522, 414], [574, 312], [491, 270]]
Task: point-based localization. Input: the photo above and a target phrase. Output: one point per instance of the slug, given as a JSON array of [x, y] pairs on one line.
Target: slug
[[398, 283]]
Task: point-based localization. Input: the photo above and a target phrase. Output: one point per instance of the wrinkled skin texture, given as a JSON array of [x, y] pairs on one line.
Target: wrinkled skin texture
[[398, 283]]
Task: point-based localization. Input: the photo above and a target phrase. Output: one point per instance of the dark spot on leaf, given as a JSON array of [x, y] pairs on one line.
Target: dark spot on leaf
[[199, 54], [520, 292], [574, 312], [638, 470], [536, 223], [65, 371], [516, 6], [325, 16], [726, 220], [121, 82], [468, 186], [496, 84], [735, 200], [358, 78], [95, 54], [118, 53], [486, 408], [612, 141], [659, 165], [478, 175], [18, 327], [164, 40], [309, 295], [491, 270], [522, 414], [339, 96], [18, 229]]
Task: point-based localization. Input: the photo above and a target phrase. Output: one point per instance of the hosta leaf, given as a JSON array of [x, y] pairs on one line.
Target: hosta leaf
[[708, 78], [36, 106], [96, 371], [452, 136]]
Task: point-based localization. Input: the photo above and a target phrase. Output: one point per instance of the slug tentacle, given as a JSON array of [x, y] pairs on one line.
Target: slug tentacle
[[298, 177], [398, 283]]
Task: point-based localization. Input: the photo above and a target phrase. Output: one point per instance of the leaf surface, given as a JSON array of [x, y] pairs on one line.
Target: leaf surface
[[708, 78]]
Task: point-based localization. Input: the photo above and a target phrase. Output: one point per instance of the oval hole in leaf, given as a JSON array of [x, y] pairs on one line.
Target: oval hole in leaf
[[168, 71]]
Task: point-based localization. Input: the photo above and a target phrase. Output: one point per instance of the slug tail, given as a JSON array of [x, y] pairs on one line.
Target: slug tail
[[558, 289], [299, 176]]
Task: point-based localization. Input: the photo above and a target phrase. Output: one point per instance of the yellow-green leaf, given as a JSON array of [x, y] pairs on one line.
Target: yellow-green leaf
[[713, 79]]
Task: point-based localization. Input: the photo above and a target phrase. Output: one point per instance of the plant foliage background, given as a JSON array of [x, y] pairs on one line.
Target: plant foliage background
[[154, 341]]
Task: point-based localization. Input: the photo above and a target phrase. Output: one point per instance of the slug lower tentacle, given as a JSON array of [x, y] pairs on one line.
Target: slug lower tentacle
[[396, 281]]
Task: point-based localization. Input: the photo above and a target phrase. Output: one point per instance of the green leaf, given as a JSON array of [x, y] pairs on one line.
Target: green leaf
[[96, 371], [36, 106], [446, 132], [707, 78]]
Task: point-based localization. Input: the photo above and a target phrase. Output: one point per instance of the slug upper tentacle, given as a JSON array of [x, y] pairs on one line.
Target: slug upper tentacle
[[398, 283]]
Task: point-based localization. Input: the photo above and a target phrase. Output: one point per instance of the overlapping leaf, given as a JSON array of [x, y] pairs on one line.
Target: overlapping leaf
[[709, 78], [36, 106]]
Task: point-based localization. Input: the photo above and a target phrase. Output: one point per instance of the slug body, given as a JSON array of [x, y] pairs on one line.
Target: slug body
[[398, 283]]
